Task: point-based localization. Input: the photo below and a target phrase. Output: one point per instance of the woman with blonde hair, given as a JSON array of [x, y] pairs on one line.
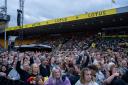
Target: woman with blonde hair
[[56, 78], [86, 77]]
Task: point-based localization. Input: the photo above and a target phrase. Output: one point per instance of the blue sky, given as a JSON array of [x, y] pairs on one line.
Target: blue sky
[[41, 10]]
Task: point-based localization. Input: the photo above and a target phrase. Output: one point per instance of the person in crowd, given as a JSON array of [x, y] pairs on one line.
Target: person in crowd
[[13, 74], [57, 78], [125, 77], [97, 58], [86, 78], [73, 74], [93, 69], [3, 71], [35, 76], [99, 74], [124, 67], [24, 71], [44, 67], [114, 78]]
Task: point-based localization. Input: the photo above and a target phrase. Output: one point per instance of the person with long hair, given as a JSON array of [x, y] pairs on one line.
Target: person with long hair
[[86, 77], [57, 78]]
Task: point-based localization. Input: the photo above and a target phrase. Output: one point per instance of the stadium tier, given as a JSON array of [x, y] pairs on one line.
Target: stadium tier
[[95, 21]]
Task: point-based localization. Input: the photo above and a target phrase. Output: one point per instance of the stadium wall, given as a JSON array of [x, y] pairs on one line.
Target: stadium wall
[[18, 42]]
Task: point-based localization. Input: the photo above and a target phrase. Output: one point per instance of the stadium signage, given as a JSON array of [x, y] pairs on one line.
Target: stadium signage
[[35, 24], [60, 20], [96, 14], [66, 19]]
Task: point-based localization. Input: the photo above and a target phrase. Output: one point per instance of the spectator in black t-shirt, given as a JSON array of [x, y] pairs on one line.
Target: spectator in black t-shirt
[[44, 67]]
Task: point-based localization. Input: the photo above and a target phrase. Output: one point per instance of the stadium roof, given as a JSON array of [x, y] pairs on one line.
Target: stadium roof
[[117, 17]]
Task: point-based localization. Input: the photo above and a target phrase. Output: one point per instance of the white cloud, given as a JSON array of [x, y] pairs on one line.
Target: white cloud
[[40, 10], [31, 19]]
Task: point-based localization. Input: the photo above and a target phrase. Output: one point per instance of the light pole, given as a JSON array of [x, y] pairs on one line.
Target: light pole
[[21, 18], [5, 37]]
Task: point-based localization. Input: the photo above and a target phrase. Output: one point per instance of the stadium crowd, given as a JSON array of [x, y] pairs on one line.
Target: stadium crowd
[[77, 60]]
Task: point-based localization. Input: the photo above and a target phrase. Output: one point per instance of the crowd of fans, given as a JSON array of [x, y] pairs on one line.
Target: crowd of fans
[[74, 60]]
